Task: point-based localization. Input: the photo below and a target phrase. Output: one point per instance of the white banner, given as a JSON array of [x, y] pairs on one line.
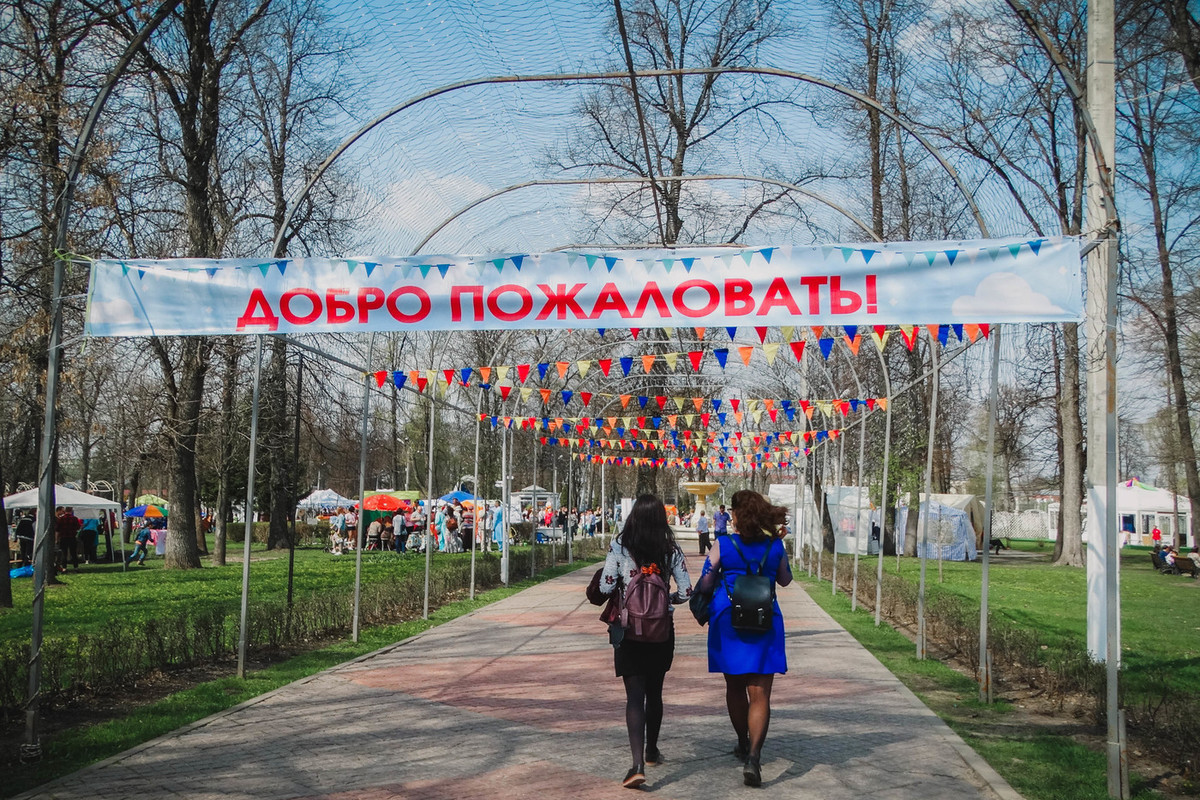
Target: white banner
[[991, 281]]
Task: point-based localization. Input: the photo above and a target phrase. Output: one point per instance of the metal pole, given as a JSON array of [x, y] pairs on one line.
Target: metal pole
[[504, 502], [841, 462], [295, 464], [478, 531], [570, 527], [533, 517], [887, 444], [928, 500], [429, 514], [362, 489], [603, 503], [985, 678], [242, 629], [862, 455]]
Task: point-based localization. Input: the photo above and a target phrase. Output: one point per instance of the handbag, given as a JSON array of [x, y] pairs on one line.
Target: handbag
[[700, 603], [611, 602]]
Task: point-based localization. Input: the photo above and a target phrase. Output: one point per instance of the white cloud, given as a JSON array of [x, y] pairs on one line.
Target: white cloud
[[1007, 291], [112, 312]]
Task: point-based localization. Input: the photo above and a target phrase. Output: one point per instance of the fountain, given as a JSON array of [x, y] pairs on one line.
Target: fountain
[[701, 490]]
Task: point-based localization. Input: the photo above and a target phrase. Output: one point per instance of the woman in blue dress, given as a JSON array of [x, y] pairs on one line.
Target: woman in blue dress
[[748, 660]]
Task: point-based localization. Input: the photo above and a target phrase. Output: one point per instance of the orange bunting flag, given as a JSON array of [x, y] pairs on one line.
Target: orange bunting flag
[[933, 331], [700, 332], [647, 363], [738, 416], [562, 368], [698, 402], [745, 353], [545, 393], [625, 398], [972, 332], [485, 374], [854, 343], [817, 330]]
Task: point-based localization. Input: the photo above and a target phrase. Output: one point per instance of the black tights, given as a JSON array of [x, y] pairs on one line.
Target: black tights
[[643, 712], [748, 698]]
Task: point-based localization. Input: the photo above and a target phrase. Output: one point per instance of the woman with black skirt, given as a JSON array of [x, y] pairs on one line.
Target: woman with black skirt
[[645, 543]]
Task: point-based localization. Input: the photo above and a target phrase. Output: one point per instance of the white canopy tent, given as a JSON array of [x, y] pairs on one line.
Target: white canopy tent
[[324, 500], [955, 525], [64, 497]]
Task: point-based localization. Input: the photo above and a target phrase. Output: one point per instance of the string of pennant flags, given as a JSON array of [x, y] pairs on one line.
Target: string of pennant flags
[[507, 377], [410, 268]]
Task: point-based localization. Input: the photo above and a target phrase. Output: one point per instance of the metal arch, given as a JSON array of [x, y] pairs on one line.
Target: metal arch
[[585, 77], [595, 181]]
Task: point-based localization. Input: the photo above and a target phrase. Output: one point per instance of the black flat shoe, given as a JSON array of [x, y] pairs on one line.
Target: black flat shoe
[[635, 777], [653, 756], [752, 773]]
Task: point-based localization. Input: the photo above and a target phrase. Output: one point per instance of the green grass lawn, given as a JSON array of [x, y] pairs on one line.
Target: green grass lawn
[[100, 593], [1160, 626], [1039, 766]]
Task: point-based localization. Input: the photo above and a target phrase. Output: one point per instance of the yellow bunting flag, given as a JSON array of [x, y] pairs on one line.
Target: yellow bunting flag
[[502, 374], [880, 341], [787, 331], [583, 367], [770, 349], [671, 358], [526, 391]]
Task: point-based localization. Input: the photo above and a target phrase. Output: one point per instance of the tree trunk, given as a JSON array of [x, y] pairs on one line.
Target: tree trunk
[[228, 422], [276, 444], [6, 600], [1073, 460], [182, 552]]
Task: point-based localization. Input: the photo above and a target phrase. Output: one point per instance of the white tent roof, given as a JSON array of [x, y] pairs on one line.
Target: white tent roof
[[324, 497], [62, 497], [1134, 496]]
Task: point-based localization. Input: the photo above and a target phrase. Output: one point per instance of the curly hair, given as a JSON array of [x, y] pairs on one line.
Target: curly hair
[[646, 534], [757, 519]]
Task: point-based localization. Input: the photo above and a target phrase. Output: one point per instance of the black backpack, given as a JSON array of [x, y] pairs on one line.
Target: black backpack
[[752, 600]]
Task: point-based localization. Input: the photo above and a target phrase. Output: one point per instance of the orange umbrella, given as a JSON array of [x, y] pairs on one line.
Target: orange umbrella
[[382, 502]]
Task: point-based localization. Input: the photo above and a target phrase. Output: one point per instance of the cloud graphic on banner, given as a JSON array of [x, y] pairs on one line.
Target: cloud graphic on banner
[[1003, 290], [112, 312]]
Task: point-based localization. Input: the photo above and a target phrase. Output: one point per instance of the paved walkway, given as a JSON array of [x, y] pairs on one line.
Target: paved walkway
[[519, 700]]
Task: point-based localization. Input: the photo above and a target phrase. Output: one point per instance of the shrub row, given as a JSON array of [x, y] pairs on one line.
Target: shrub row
[[118, 656], [1019, 657]]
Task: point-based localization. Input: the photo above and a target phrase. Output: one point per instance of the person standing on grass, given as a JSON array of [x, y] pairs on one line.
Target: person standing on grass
[[749, 660], [25, 534], [66, 535]]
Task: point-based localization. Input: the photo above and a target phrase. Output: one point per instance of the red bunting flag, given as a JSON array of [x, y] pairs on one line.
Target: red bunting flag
[[605, 365], [661, 400], [505, 391], [586, 397], [797, 349], [909, 334], [635, 332], [380, 377], [449, 373], [522, 372], [735, 402], [762, 334], [696, 356]]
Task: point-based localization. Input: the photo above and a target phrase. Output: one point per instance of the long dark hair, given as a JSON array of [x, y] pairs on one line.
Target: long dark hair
[[647, 535], [757, 519]]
